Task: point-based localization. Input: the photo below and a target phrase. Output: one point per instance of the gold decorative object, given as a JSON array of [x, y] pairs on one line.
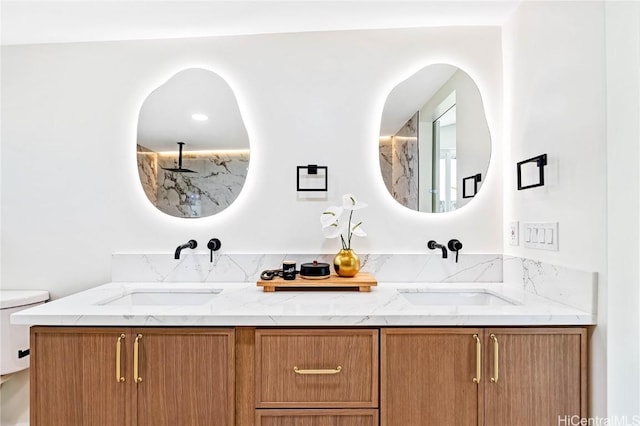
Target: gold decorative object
[[346, 263]]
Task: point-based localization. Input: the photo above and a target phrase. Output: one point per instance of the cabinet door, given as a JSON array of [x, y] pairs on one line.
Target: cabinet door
[[317, 417], [186, 376], [74, 378], [541, 375], [427, 377]]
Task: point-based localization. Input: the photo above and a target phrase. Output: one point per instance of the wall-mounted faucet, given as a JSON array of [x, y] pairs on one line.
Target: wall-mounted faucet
[[191, 244], [455, 246], [433, 245]]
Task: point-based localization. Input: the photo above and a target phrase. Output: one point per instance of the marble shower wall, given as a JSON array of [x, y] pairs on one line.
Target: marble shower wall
[[399, 163], [148, 171], [216, 184]]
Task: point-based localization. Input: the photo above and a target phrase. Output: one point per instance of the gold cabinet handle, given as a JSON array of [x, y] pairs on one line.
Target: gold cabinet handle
[[136, 349], [327, 371], [478, 359], [496, 355], [119, 376]]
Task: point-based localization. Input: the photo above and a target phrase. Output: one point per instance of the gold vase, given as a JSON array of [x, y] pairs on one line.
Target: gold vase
[[346, 263]]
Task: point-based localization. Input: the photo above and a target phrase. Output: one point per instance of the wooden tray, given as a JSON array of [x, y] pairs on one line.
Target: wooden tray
[[363, 281]]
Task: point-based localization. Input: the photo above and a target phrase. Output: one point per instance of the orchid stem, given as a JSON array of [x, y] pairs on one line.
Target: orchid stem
[[349, 230]]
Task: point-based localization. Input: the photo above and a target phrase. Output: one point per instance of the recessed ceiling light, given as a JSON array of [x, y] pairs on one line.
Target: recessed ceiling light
[[199, 117]]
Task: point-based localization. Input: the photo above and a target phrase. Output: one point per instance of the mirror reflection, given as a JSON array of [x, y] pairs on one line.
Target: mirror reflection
[[433, 136], [192, 145]]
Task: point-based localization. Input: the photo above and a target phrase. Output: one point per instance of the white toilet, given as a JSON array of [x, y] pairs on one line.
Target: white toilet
[[14, 342]]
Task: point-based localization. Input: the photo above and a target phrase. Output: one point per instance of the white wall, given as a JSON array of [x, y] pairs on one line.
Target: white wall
[[555, 103], [623, 157], [70, 190]]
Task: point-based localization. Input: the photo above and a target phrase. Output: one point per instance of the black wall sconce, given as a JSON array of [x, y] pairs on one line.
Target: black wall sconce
[[470, 185], [316, 178], [530, 179]]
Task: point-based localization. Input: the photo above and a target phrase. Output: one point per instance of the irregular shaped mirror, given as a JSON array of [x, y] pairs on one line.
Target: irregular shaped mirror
[[193, 147], [434, 140]]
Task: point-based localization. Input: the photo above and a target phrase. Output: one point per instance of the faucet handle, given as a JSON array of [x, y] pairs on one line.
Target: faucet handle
[[455, 246], [214, 244]]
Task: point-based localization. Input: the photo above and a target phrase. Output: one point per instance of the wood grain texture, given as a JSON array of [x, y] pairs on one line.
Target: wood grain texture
[[188, 377], [427, 377], [73, 377], [541, 376], [336, 417], [279, 351], [363, 281], [245, 372]]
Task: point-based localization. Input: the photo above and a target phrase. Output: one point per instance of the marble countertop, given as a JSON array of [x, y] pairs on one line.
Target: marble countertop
[[245, 304]]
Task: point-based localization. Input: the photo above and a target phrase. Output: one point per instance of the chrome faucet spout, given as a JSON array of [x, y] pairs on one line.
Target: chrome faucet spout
[[191, 244], [433, 245]]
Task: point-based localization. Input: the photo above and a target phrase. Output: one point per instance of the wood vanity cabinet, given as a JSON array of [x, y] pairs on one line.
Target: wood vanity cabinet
[[185, 376], [482, 376], [307, 376]]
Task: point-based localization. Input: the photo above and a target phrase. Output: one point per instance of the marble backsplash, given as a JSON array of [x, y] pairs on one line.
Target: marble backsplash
[[572, 287], [247, 267], [568, 286]]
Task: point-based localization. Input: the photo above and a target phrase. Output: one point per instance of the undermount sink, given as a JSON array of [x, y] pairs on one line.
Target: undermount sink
[[146, 297], [455, 297]]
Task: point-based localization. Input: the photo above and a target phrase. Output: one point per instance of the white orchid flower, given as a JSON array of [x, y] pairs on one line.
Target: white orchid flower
[[330, 216], [349, 202], [357, 230], [334, 224], [334, 230]]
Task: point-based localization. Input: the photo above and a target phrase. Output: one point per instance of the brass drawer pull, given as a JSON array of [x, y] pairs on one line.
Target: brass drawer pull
[[478, 359], [119, 376], [136, 348], [327, 371], [496, 346]]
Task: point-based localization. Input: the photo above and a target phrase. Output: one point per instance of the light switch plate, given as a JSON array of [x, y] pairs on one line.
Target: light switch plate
[[544, 235], [514, 238]]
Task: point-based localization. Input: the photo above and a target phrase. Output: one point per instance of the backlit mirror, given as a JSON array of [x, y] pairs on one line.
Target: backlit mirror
[[192, 146], [434, 139]]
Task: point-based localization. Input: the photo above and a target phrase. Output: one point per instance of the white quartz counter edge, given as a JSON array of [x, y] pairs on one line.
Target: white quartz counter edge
[[245, 304]]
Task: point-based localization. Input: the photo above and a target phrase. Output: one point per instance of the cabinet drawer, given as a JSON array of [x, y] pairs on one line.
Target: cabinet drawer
[[336, 417], [316, 368]]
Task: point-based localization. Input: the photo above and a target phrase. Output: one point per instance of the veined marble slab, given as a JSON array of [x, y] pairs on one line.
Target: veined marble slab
[[245, 304], [194, 267], [569, 286]]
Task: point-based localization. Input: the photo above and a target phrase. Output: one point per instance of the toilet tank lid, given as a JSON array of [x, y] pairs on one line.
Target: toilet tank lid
[[14, 298]]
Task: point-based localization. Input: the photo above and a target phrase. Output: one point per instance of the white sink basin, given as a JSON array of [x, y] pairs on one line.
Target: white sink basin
[[455, 297], [177, 297]]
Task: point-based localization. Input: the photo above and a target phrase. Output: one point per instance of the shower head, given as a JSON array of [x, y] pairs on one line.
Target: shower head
[[179, 169]]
